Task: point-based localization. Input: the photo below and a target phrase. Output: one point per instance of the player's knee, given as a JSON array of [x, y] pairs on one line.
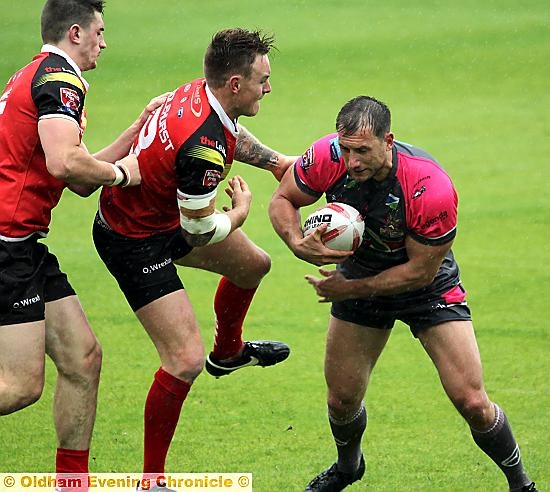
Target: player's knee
[[83, 368], [249, 275], [342, 403], [18, 394], [474, 406], [258, 266], [187, 365]]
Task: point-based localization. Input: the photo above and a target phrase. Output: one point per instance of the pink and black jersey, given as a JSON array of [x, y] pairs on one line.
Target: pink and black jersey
[[51, 86], [417, 199], [186, 147]]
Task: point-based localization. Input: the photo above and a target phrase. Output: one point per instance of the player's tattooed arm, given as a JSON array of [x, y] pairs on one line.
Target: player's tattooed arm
[[250, 150]]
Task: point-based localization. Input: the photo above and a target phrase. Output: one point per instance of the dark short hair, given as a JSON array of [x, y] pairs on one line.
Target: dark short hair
[[364, 112], [59, 15], [233, 51]]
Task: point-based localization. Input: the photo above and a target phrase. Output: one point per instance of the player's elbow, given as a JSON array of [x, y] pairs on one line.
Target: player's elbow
[[59, 168], [205, 230], [423, 279]]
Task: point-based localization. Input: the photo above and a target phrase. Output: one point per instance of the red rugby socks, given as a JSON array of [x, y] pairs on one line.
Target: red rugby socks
[[231, 304]]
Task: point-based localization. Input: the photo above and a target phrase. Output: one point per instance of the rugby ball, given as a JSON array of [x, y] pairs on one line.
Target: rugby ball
[[345, 226]]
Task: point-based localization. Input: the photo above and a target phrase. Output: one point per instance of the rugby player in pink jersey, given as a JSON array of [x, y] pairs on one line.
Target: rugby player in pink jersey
[[404, 270]]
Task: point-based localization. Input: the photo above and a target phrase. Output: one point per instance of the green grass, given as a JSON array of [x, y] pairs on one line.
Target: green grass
[[468, 81]]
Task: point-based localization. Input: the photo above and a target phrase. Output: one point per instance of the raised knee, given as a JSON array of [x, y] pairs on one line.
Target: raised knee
[[260, 265], [21, 393]]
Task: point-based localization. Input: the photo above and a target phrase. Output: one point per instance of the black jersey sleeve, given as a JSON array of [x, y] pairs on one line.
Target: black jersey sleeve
[[200, 161], [57, 90]]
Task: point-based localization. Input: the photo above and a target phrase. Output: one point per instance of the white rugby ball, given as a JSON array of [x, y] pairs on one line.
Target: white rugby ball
[[345, 226]]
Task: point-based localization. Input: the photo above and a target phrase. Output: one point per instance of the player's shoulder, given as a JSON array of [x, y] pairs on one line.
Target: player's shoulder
[[324, 150], [53, 68], [416, 165]]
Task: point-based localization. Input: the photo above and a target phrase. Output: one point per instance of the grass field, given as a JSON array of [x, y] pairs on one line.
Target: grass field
[[468, 81]]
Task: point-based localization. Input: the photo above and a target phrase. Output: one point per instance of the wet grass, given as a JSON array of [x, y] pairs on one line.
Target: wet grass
[[469, 82]]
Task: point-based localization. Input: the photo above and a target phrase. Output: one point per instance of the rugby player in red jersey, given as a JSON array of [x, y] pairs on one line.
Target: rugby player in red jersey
[[185, 151], [404, 270], [42, 120]]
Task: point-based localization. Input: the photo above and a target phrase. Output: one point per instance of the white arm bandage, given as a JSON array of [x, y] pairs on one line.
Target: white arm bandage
[[219, 223]]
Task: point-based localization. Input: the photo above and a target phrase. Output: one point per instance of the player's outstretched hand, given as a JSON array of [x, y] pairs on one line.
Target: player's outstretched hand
[[333, 287], [312, 249]]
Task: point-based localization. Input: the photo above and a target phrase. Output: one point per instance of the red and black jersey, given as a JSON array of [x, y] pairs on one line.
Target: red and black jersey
[[186, 147], [51, 86]]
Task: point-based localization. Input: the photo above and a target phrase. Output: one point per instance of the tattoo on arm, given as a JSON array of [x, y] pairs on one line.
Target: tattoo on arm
[[250, 150]]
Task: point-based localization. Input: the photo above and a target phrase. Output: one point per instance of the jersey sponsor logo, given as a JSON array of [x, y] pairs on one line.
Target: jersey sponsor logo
[[307, 159], [213, 144], [442, 216], [196, 102], [69, 98], [163, 133], [418, 192], [335, 152], [420, 180], [211, 178]]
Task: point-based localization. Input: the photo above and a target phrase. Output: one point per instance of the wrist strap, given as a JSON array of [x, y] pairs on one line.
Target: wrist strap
[[122, 175], [119, 175]]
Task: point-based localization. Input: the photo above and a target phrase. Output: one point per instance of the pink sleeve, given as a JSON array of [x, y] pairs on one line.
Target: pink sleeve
[[432, 202], [320, 166]]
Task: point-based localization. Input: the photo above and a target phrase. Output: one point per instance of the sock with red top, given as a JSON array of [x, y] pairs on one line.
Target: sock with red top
[[72, 465], [231, 304], [162, 411]]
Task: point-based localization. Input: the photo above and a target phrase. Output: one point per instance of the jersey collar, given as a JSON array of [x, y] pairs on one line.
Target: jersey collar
[[50, 48], [230, 124]]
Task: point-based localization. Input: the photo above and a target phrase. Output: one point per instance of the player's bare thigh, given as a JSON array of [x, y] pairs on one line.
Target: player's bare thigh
[[236, 257], [452, 346], [172, 326], [21, 365], [351, 353], [70, 341]]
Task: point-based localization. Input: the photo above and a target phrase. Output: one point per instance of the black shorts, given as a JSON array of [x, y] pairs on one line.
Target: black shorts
[[375, 313], [143, 267], [29, 278]]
